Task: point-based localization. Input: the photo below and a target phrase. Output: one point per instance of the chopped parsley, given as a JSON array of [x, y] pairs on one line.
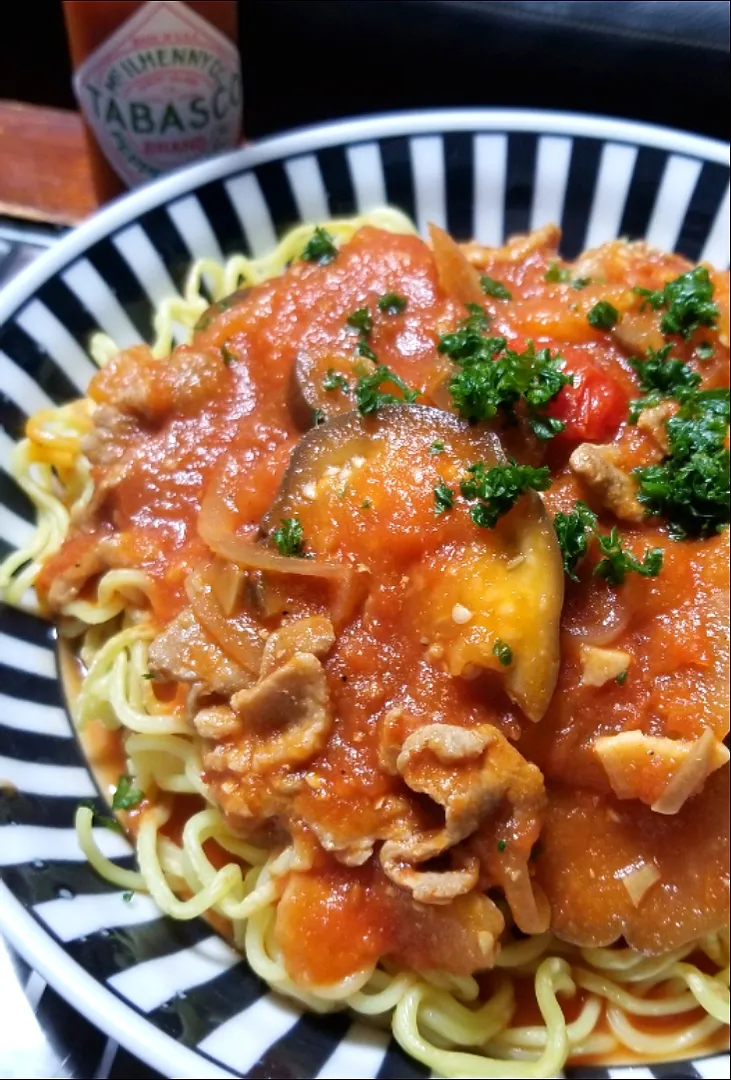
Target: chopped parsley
[[556, 273], [318, 417], [226, 355], [437, 447], [370, 397], [320, 248], [443, 498], [127, 796], [364, 349], [622, 678], [573, 535], [149, 675], [289, 538], [495, 378], [499, 488], [105, 821], [333, 380], [503, 652], [492, 287], [574, 532], [690, 488], [687, 303], [580, 283], [617, 563], [361, 320], [468, 342], [391, 303], [705, 350], [660, 378], [127, 896], [603, 316], [366, 504], [501, 845]]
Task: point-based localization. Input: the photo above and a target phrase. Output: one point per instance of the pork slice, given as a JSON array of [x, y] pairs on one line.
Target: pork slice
[[260, 742], [313, 635], [96, 557], [135, 383], [184, 652], [286, 717], [612, 486], [110, 437], [470, 773]]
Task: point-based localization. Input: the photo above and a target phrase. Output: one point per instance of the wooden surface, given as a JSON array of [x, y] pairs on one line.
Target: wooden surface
[[44, 167]]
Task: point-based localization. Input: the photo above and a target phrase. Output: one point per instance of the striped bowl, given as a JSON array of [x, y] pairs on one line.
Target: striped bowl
[[174, 993]]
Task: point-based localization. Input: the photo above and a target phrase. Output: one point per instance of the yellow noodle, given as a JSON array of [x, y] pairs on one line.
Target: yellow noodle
[[126, 879], [530, 1039], [654, 1046], [552, 977], [711, 993]]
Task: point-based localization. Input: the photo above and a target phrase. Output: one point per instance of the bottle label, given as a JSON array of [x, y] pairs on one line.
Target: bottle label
[[163, 90]]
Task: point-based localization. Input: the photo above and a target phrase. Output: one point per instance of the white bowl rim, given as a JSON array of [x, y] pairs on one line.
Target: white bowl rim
[[130, 206]]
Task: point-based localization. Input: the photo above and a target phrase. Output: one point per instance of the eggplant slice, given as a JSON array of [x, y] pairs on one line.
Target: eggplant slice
[[322, 387], [470, 589]]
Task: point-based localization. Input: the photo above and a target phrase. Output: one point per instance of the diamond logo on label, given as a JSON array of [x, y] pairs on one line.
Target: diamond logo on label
[[164, 90]]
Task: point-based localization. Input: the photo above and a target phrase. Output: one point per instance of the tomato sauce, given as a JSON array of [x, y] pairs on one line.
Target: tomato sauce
[[670, 625]]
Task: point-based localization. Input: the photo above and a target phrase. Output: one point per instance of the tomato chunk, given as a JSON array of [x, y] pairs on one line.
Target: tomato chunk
[[594, 407]]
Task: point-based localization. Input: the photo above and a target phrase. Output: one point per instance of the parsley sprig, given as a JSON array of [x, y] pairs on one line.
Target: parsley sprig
[[369, 396], [334, 380], [660, 377], [126, 796], [361, 320], [561, 275], [504, 654], [690, 488], [492, 287], [497, 489], [617, 563], [495, 379], [289, 538], [603, 316], [443, 498], [575, 531], [557, 274], [104, 821], [687, 303], [320, 248], [391, 303]]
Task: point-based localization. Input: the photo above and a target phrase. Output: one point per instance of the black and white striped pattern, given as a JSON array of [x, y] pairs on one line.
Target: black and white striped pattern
[[174, 992]]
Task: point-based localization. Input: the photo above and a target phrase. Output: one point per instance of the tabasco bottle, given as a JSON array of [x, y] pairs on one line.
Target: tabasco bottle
[[158, 83]]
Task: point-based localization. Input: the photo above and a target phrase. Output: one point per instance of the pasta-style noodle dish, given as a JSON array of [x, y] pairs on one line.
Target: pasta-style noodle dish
[[394, 577]]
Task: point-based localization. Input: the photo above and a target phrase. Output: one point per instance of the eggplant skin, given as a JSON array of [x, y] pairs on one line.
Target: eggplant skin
[[350, 434], [307, 396]]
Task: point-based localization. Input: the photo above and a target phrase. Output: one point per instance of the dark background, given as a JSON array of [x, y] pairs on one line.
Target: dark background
[[310, 60]]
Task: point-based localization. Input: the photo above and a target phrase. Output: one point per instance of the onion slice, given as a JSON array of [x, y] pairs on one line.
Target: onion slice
[[701, 761], [599, 620], [252, 556], [457, 276], [238, 641], [639, 880]]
